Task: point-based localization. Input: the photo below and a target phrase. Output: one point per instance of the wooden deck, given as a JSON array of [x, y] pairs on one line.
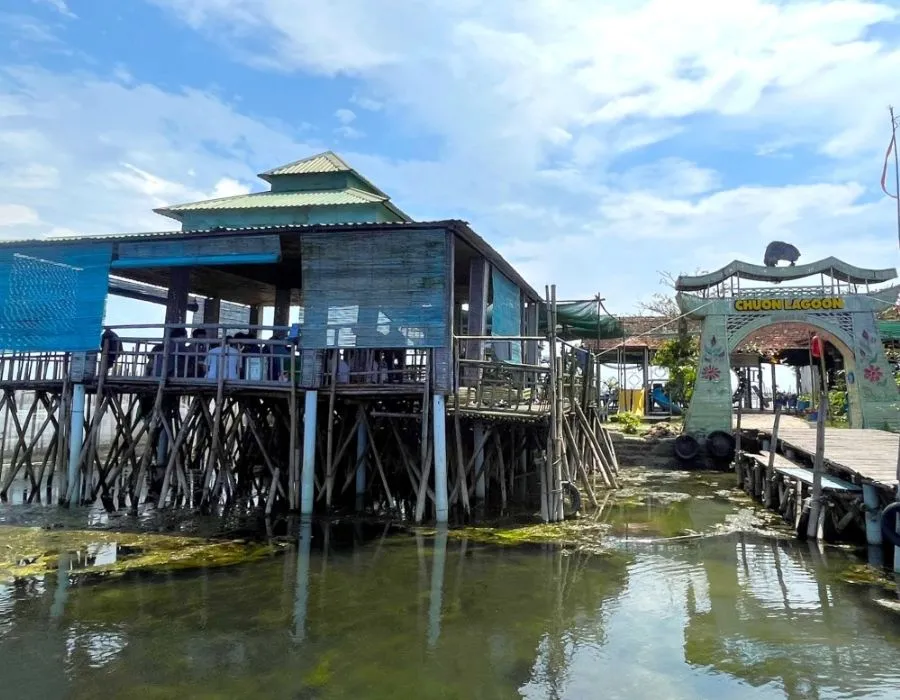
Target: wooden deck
[[857, 455]]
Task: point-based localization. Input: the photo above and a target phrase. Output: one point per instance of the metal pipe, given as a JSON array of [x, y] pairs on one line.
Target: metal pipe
[[440, 459], [308, 472], [873, 514], [76, 439]]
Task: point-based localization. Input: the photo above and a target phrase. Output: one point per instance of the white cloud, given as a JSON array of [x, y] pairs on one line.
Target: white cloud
[[508, 77], [345, 116], [366, 103], [31, 176], [58, 5], [591, 142], [17, 215], [116, 152], [349, 132], [227, 187]]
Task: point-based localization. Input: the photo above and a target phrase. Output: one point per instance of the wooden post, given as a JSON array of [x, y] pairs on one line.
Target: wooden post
[[212, 308], [329, 438], [770, 468], [646, 369], [737, 445], [556, 453], [774, 386], [479, 277], [813, 531], [440, 458], [294, 460], [361, 450], [308, 473], [480, 482], [281, 316], [255, 315], [177, 297]]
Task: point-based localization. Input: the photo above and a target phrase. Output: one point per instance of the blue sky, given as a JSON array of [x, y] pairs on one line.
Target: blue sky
[[594, 143]]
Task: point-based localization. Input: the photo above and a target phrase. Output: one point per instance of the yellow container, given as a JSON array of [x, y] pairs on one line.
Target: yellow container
[[631, 400]]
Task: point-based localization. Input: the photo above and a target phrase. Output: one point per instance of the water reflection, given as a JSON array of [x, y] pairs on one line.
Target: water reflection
[[362, 612]]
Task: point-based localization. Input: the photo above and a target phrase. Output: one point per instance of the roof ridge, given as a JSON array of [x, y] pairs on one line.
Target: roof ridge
[[339, 163]]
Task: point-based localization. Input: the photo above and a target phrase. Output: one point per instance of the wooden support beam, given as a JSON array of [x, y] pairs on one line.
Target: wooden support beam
[[282, 313], [212, 309], [479, 278], [255, 315], [177, 297]]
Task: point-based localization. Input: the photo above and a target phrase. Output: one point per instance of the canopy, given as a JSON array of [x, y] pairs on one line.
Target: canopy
[[890, 331], [581, 320]]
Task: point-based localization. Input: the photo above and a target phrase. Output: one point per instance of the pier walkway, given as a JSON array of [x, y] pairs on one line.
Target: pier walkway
[[860, 456]]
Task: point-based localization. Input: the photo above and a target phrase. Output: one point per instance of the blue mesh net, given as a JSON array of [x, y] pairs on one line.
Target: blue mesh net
[[52, 297], [386, 289], [506, 318]]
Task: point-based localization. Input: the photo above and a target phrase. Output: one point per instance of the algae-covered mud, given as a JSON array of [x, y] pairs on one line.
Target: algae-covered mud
[[677, 588]]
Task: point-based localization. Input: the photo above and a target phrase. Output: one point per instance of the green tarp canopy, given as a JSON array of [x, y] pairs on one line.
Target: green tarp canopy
[[582, 320], [890, 331], [579, 321]]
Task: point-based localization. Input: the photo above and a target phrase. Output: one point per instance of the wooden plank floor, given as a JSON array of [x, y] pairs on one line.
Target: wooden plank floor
[[870, 455]]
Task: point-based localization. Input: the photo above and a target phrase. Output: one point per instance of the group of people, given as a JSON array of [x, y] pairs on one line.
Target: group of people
[[243, 357], [240, 356]]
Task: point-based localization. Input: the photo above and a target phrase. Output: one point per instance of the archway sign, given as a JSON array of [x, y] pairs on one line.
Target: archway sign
[[841, 309]]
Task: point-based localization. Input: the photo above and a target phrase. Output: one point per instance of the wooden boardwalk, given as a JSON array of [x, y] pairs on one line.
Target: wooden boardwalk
[[857, 455]]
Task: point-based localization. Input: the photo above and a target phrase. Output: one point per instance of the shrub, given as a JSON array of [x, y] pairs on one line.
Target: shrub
[[680, 356], [629, 421]]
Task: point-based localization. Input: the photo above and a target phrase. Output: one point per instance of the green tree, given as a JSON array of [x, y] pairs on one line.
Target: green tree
[[680, 356]]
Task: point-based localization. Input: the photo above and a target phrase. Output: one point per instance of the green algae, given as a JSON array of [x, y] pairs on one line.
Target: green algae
[[863, 574], [33, 551], [568, 532]]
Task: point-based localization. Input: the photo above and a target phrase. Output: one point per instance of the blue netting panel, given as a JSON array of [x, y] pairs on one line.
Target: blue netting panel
[[507, 316], [378, 289], [53, 297]]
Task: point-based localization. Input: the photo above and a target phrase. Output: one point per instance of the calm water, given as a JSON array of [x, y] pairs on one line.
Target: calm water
[[406, 616]]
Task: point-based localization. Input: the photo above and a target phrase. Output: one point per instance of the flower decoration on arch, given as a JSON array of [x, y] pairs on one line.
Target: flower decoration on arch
[[873, 373], [711, 373]]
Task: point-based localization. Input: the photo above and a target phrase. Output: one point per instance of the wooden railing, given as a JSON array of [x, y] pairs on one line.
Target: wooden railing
[[495, 385], [206, 355], [33, 367]]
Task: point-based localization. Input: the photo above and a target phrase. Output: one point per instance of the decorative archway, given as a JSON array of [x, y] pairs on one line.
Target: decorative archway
[[836, 308], [831, 334]]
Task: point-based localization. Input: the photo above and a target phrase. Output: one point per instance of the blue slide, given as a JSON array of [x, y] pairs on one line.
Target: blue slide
[[660, 398]]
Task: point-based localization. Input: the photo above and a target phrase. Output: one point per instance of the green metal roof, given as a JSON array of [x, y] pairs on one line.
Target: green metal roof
[[327, 162], [267, 200]]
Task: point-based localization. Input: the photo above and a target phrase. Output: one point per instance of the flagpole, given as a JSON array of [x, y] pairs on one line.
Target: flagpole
[[896, 179], [897, 201]]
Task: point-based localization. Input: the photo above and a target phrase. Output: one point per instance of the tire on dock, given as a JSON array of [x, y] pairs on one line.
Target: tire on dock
[[889, 524], [686, 448], [720, 447], [571, 499]]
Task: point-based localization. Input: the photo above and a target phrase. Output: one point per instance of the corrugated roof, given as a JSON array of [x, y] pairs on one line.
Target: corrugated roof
[[458, 227], [327, 162], [266, 200]]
